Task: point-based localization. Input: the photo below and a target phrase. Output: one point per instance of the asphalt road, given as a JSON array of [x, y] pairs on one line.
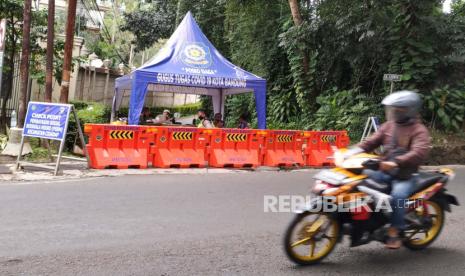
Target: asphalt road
[[186, 225]]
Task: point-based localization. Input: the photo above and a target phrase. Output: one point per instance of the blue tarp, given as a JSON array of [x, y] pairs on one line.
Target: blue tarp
[[190, 64]]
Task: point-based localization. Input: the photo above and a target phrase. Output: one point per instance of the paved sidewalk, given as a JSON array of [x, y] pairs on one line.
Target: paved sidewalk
[[4, 169], [75, 169]]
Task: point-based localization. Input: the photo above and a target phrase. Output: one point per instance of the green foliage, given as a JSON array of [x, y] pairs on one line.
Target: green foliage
[[3, 141], [78, 105], [327, 73], [252, 30], [39, 59], [446, 108], [206, 104], [302, 61], [39, 153], [150, 23], [210, 15], [88, 113], [94, 113], [345, 110], [12, 11], [237, 105], [100, 47], [294, 123], [415, 48], [282, 106]]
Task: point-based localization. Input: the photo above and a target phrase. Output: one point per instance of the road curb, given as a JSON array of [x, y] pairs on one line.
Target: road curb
[[75, 170]]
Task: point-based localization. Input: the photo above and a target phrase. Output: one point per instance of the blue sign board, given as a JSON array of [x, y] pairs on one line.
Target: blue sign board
[[46, 120]]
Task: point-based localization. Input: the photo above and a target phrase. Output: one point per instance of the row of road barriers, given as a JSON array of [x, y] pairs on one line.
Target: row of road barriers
[[121, 147]]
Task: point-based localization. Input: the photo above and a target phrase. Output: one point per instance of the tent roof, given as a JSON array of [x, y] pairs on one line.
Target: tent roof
[[189, 63], [189, 52]]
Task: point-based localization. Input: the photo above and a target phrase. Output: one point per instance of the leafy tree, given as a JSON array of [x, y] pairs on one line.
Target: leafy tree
[[252, 30], [415, 47], [446, 107], [324, 60], [12, 11], [151, 23]]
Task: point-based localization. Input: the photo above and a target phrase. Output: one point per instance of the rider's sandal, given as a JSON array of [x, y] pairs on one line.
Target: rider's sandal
[[393, 243]]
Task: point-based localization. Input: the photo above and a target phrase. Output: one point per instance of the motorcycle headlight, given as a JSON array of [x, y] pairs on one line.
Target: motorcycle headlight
[[320, 186], [338, 158]]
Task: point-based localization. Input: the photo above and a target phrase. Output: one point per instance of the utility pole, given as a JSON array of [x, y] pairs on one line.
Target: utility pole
[[24, 66], [49, 63], [70, 22]]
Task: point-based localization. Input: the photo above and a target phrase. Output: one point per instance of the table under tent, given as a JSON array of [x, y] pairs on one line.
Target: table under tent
[[189, 64]]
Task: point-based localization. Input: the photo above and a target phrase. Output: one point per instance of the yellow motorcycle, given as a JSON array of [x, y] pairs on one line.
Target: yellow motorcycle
[[359, 208]]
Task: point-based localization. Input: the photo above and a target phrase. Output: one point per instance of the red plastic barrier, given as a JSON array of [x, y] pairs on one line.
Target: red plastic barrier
[[235, 148], [283, 148], [318, 145], [179, 147], [112, 146], [118, 147]]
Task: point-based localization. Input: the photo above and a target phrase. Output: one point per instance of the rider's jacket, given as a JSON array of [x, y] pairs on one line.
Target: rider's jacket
[[406, 144]]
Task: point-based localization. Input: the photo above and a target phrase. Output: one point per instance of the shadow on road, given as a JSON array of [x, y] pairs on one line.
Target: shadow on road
[[356, 261]]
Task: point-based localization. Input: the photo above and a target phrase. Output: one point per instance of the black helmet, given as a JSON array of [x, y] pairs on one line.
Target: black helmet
[[402, 106]]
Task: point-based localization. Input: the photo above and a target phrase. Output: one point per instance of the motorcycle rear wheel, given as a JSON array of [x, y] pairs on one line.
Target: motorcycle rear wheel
[[303, 232], [417, 240]]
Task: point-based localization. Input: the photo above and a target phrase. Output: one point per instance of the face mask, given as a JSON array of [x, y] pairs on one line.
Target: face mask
[[398, 115], [401, 118]]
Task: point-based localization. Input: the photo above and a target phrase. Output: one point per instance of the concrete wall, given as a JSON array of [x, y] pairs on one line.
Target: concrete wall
[[98, 85], [95, 85]]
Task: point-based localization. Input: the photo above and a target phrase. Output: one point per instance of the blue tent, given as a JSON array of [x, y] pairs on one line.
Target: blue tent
[[188, 63]]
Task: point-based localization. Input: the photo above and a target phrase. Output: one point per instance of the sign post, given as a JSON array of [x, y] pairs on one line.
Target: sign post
[[392, 78], [49, 121]]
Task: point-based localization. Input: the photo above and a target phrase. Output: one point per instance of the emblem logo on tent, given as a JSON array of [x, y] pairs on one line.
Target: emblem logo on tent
[[196, 55]]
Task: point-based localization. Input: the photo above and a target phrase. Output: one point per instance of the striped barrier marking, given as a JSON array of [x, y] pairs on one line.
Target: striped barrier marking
[[236, 137], [122, 134], [182, 135], [328, 138], [284, 138]]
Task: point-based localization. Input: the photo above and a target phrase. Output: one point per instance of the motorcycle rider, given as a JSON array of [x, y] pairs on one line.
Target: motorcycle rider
[[406, 143]]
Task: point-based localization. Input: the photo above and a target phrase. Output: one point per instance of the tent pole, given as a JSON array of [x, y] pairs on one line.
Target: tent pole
[[221, 102], [113, 107]]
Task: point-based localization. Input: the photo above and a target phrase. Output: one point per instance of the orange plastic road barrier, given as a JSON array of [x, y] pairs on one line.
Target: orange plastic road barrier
[[318, 146], [179, 147], [235, 148], [118, 147], [112, 146], [283, 148]]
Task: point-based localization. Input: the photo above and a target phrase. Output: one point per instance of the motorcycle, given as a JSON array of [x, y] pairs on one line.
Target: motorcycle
[[314, 232]]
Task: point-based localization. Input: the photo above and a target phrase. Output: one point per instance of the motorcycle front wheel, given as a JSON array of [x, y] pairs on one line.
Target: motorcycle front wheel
[[417, 239], [310, 237]]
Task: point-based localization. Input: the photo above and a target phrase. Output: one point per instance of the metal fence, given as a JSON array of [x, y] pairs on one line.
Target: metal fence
[[12, 103]]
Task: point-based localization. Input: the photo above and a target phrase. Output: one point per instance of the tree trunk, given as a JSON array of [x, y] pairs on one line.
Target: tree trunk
[[297, 18], [24, 67], [68, 54], [295, 11], [49, 63]]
